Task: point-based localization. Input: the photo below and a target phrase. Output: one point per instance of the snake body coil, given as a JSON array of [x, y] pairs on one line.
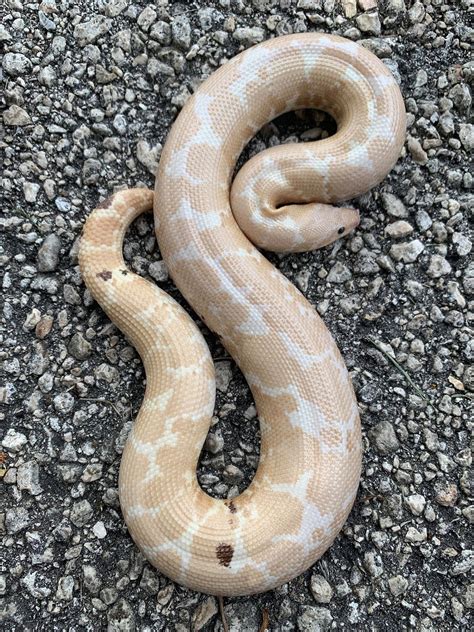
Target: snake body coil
[[281, 199]]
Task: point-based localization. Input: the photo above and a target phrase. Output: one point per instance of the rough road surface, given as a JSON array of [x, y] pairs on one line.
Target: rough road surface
[[90, 90]]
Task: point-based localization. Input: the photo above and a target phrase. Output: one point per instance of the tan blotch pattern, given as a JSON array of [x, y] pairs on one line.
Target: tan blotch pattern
[[207, 228]]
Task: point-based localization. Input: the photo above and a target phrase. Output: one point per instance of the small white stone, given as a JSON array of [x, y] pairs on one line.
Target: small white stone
[[158, 271], [399, 229], [99, 530], [397, 585], [321, 589], [438, 267], [415, 535], [416, 503], [13, 441], [407, 252], [223, 376], [27, 478], [30, 190]]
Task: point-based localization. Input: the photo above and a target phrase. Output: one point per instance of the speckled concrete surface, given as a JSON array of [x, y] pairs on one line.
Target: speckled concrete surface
[[90, 91]]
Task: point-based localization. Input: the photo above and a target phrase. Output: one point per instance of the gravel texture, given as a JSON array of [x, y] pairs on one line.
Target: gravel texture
[[90, 92]]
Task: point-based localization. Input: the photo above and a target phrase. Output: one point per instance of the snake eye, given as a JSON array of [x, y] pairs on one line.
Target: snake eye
[[341, 230]]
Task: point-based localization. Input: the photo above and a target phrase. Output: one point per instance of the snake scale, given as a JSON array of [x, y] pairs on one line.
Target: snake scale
[[208, 227]]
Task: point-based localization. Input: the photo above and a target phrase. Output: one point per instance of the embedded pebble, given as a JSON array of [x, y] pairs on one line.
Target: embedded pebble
[[16, 64], [321, 589], [79, 347], [417, 152], [48, 254], [313, 618], [158, 271], [13, 440], [27, 478], [398, 585], [16, 519], [120, 617], [339, 273], [16, 116], [408, 252], [416, 503], [384, 437], [399, 229], [204, 613], [89, 31], [393, 205], [369, 23], [81, 513], [438, 266], [249, 35]]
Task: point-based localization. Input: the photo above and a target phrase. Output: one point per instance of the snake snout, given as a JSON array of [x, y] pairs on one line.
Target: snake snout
[[349, 219]]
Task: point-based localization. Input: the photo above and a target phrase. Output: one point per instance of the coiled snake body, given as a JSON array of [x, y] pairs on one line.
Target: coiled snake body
[[207, 228]]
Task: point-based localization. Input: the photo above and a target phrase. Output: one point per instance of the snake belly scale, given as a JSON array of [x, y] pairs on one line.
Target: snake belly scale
[[208, 228]]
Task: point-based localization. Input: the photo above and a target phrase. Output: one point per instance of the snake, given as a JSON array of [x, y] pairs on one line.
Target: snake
[[212, 226]]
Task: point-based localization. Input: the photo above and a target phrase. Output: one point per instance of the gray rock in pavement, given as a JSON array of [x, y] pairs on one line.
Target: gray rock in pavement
[[16, 519], [393, 205], [89, 31], [16, 64], [16, 116], [398, 585], [321, 589], [27, 478], [384, 437], [48, 254], [438, 267], [120, 618], [408, 252], [314, 619], [79, 347], [249, 35], [466, 135], [339, 273], [81, 513]]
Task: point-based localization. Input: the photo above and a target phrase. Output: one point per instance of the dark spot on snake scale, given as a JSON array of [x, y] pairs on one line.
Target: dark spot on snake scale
[[341, 230], [124, 272], [106, 203], [105, 275], [231, 507], [224, 553]]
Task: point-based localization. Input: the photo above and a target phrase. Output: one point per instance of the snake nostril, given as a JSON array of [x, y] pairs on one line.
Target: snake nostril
[[340, 230]]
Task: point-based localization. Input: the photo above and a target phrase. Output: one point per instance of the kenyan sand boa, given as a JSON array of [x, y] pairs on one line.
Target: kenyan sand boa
[[310, 460]]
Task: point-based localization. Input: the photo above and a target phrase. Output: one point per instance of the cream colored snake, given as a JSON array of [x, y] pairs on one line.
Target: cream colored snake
[[208, 228]]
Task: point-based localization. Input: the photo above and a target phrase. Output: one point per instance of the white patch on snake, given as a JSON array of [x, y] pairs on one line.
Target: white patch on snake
[[207, 134], [332, 434], [202, 220], [351, 74], [383, 128], [158, 402], [182, 546], [380, 82], [181, 371], [177, 166], [255, 324], [311, 519], [349, 48], [135, 512], [358, 157], [298, 354], [258, 58]]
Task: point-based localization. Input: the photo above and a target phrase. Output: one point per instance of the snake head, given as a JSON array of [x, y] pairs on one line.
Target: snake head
[[312, 226], [334, 222]]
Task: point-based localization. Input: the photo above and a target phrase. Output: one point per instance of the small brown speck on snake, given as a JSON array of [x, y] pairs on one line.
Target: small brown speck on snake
[[208, 230]]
